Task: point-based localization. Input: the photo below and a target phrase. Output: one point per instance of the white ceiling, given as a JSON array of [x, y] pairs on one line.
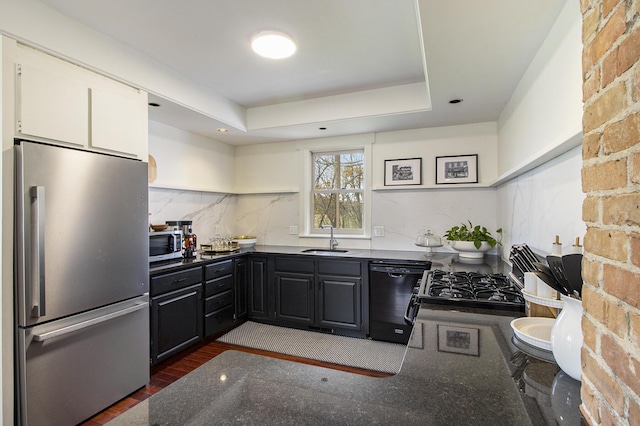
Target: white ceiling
[[476, 50]]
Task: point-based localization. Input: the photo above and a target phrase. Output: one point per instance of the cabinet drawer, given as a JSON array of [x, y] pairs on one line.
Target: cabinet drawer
[[217, 302], [340, 267], [175, 280], [218, 321], [218, 285], [219, 269], [295, 264]]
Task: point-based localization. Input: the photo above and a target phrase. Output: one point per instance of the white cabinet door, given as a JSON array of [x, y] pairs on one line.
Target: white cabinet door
[[52, 106], [119, 123]]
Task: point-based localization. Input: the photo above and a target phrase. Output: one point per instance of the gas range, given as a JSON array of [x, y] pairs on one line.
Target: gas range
[[470, 289]]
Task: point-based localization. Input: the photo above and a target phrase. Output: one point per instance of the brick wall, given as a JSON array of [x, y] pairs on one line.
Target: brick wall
[[611, 210]]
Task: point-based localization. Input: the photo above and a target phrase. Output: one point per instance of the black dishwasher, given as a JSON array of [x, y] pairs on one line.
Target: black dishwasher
[[390, 286]]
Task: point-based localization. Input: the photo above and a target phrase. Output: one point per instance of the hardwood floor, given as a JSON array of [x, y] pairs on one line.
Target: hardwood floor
[[172, 369]]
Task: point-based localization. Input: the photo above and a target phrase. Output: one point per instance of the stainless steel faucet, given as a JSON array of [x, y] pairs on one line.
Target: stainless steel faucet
[[332, 241]]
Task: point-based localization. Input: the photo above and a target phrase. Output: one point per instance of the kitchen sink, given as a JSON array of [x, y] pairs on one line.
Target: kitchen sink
[[323, 251]]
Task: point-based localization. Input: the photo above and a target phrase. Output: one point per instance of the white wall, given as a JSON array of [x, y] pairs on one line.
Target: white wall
[[268, 217], [543, 203], [428, 143], [194, 178], [546, 108], [189, 161], [212, 213], [272, 167], [542, 120], [403, 212], [407, 214]]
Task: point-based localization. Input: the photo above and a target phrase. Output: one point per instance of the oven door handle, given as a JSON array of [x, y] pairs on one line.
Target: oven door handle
[[412, 310]]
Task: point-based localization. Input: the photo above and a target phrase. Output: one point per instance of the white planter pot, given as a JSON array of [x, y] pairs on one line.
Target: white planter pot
[[566, 337], [468, 250]]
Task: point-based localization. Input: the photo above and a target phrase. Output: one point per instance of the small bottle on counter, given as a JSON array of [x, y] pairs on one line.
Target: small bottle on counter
[[556, 247]]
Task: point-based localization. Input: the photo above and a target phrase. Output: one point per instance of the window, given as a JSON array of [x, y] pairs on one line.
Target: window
[[337, 194]]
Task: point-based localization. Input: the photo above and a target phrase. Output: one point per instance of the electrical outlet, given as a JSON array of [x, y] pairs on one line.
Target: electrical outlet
[[293, 230], [378, 231]]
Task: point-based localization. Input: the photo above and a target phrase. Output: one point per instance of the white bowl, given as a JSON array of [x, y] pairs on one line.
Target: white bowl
[[245, 242], [535, 331], [467, 249]]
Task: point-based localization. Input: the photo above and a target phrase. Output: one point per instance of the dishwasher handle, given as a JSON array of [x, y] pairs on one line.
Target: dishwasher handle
[[397, 271]]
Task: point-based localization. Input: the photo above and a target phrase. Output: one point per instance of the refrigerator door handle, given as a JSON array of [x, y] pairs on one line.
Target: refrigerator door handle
[[37, 251], [84, 324]]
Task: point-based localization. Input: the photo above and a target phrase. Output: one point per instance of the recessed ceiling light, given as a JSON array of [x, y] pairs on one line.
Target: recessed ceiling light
[[455, 101], [222, 130], [273, 45], [154, 104]]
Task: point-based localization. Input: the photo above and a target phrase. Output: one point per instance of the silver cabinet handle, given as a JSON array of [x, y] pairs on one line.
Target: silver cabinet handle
[[84, 324], [37, 250]]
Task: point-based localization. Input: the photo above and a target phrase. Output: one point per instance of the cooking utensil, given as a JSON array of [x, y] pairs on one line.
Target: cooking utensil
[[572, 266], [515, 259], [555, 264], [530, 255], [546, 275], [551, 282]]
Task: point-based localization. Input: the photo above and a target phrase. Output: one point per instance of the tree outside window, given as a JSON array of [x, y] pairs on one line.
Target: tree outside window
[[338, 190]]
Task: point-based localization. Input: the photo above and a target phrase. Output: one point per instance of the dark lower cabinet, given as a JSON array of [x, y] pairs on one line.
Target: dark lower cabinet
[[176, 321], [295, 300], [339, 302], [257, 303], [241, 289], [297, 291], [324, 295], [219, 304]]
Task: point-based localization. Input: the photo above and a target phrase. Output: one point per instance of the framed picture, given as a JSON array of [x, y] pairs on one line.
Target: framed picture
[[407, 171], [457, 169], [459, 340]]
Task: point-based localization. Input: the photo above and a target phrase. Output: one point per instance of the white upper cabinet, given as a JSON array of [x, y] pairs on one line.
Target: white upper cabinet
[[61, 102], [119, 123], [52, 106]]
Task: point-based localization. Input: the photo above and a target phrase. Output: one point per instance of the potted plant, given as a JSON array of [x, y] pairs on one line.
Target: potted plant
[[471, 241]]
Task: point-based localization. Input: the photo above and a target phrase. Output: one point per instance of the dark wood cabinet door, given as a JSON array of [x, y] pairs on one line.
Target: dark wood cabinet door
[[339, 302], [295, 301], [258, 306], [241, 289], [176, 321]]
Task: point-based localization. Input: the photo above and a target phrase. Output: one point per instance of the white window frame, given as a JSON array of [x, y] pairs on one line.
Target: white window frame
[[361, 141], [338, 191]]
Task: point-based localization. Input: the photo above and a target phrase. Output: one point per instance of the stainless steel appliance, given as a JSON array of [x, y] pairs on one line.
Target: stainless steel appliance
[[81, 267], [471, 289], [165, 245], [390, 287]]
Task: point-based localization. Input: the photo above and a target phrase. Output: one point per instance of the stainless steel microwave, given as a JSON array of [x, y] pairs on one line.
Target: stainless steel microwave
[[165, 245]]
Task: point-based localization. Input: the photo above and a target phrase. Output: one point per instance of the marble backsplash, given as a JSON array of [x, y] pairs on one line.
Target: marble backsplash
[[268, 217], [532, 209], [406, 214], [544, 202], [212, 214]]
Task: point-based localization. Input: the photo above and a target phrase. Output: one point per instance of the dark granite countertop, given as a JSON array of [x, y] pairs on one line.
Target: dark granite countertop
[[442, 382], [440, 260]]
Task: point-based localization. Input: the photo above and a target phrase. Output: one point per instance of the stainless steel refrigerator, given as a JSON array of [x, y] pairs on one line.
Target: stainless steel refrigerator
[[81, 293]]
